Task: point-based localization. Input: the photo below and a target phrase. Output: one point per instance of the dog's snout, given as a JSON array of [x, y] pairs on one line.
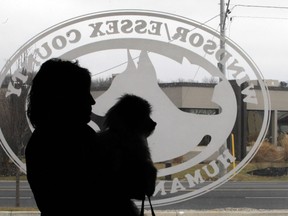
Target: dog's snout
[[154, 123]]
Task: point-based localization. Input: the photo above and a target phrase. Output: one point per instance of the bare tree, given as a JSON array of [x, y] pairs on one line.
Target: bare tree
[[210, 80], [14, 122]]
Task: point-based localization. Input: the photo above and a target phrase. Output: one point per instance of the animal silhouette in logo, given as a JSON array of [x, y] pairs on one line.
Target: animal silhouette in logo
[[177, 132]]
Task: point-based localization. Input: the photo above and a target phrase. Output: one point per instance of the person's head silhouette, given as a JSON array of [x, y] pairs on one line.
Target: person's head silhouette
[[60, 94]]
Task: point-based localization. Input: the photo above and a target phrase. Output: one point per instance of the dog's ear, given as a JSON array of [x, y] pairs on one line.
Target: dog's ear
[[118, 116], [130, 113]]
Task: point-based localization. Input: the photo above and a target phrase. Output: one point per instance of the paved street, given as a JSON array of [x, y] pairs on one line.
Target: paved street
[[255, 195]]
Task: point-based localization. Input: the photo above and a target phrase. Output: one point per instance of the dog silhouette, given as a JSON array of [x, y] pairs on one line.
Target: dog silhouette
[[178, 132]]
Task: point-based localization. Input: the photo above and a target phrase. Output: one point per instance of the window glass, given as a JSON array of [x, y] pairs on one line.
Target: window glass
[[221, 107]]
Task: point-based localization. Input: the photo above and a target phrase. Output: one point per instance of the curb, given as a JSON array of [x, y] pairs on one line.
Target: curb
[[180, 213], [19, 213], [222, 213]]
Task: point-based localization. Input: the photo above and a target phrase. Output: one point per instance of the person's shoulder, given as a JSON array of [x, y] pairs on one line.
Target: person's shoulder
[[36, 141]]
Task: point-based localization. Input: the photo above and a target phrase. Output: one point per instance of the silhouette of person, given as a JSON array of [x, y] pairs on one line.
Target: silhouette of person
[[60, 155], [125, 131]]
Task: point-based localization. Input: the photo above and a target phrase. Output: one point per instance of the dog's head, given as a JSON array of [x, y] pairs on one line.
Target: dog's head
[[130, 114]]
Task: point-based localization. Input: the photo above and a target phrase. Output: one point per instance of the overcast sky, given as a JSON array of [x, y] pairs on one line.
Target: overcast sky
[[259, 27]]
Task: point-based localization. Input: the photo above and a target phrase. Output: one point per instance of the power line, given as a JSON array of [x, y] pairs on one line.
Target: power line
[[259, 17], [259, 6], [138, 56]]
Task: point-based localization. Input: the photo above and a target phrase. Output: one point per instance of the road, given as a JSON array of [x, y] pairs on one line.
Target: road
[[8, 194], [255, 195]]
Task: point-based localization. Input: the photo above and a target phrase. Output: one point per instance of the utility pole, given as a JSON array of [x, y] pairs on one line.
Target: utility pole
[[222, 68], [222, 33]]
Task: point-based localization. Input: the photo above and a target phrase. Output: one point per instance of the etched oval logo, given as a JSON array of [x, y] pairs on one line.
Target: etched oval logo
[[141, 47]]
